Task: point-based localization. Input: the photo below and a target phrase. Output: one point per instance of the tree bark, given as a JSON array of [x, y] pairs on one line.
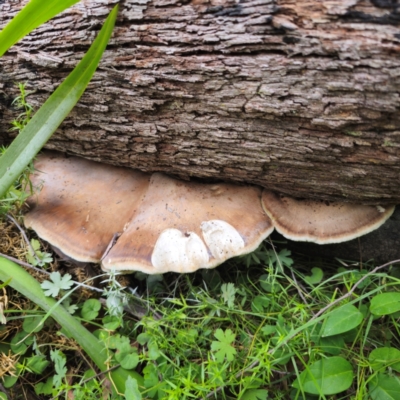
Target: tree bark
[[299, 96]]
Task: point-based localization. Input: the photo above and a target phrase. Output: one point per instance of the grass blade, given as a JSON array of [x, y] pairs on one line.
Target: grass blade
[[24, 283], [343, 319], [47, 119], [30, 17]]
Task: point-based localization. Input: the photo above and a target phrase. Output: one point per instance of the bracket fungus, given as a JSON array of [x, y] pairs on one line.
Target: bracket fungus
[[82, 204], [322, 222], [183, 226], [170, 225], [165, 224]]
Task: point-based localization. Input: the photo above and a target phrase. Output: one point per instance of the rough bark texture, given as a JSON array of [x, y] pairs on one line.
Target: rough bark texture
[[300, 96]]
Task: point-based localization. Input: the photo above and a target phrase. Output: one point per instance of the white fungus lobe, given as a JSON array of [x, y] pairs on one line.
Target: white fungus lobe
[[223, 240], [179, 252]]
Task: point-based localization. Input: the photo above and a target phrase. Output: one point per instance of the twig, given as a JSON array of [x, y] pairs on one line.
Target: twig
[[25, 264], [318, 314], [351, 291], [12, 219], [95, 289], [299, 287]]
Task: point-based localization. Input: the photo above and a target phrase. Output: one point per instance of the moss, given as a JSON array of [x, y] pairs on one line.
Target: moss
[[387, 143], [353, 133]]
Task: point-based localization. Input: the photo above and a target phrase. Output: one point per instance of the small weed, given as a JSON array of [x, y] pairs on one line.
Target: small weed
[[36, 256], [56, 284], [16, 195], [21, 103], [353, 133], [388, 143]]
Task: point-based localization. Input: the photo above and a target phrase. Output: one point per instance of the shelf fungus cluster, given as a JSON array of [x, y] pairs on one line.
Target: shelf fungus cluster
[[164, 224], [131, 221]]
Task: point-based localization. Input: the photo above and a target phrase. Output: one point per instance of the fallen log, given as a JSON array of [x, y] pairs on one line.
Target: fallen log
[[301, 97]]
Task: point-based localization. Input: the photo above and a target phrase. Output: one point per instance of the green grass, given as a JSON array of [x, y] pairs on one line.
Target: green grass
[[250, 329]]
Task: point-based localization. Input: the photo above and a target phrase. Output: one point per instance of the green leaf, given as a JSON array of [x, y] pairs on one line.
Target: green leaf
[[132, 390], [343, 319], [228, 291], [128, 358], [384, 387], [153, 352], [332, 344], [37, 364], [270, 287], [284, 256], [58, 357], [315, 277], [33, 324], [48, 118], [385, 303], [223, 348], [3, 396], [44, 387], [29, 18], [118, 342], [71, 308], [143, 338], [90, 309], [20, 342], [35, 244], [111, 322], [39, 258], [385, 357], [327, 376], [255, 394], [52, 288], [151, 379], [268, 329], [9, 381], [260, 304]]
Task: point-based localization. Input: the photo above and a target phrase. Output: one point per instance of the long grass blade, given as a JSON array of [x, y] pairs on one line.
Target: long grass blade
[[24, 283], [47, 119], [35, 13]]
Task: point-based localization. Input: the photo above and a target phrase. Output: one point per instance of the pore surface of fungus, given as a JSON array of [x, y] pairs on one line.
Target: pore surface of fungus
[[81, 204], [183, 226], [321, 221]]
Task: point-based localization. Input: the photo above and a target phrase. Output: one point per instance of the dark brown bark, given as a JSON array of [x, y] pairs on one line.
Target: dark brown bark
[[300, 96]]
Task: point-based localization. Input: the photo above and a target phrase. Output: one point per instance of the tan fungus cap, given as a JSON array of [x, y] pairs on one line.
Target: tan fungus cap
[[183, 226], [82, 203], [321, 221]]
